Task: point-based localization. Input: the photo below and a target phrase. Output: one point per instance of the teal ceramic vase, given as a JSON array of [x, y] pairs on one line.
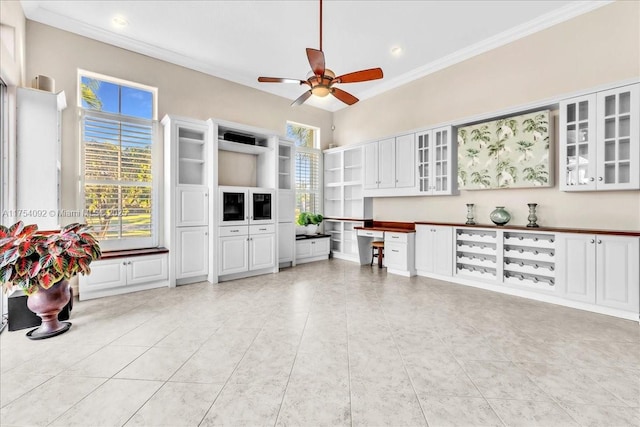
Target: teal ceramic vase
[[500, 216]]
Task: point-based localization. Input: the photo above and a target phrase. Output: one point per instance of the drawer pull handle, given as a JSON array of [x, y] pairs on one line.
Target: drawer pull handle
[[394, 250], [262, 229], [234, 231]]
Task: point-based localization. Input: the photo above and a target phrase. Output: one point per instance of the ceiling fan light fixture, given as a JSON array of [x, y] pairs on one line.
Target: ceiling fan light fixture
[[396, 50], [119, 22], [321, 90]]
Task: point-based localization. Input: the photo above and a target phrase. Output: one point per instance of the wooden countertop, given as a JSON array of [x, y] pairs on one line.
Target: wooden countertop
[[631, 233], [133, 252], [393, 227]]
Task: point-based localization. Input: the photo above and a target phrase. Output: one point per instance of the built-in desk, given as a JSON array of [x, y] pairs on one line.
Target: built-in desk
[[399, 245]]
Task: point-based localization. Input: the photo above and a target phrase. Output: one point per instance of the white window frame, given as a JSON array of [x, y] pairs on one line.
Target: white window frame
[[315, 150], [156, 168]]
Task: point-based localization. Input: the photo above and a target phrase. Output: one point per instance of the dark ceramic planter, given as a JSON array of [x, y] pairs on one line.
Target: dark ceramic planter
[[47, 303]]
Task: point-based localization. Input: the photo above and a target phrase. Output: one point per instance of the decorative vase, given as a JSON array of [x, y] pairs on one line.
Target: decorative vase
[[470, 220], [500, 216], [312, 229], [47, 304], [532, 215]]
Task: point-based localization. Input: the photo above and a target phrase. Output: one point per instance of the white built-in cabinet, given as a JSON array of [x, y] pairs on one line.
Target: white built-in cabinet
[[434, 159], [399, 253], [600, 140], [243, 249], [286, 202], [345, 206], [434, 245], [115, 276], [312, 249], [390, 163], [189, 154], [38, 149], [600, 269]]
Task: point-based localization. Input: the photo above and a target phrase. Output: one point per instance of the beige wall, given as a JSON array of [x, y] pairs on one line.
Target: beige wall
[[596, 48], [12, 46], [181, 91]]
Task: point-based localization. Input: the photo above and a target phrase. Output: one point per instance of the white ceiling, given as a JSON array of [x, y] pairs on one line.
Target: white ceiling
[[241, 40]]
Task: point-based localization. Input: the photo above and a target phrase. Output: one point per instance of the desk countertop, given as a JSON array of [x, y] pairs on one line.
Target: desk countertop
[[389, 229]]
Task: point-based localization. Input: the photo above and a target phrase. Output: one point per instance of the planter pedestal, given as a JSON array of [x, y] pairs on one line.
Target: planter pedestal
[[47, 303]]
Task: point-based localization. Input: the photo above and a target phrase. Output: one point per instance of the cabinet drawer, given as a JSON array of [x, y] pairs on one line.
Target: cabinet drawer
[[239, 230], [396, 255], [371, 233], [396, 237], [262, 229]]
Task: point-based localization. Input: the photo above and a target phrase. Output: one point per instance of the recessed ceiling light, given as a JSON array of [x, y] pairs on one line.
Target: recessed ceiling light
[[119, 22], [396, 50]]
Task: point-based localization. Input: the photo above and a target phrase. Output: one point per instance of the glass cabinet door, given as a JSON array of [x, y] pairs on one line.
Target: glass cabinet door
[[618, 138], [577, 144], [441, 160], [424, 162]]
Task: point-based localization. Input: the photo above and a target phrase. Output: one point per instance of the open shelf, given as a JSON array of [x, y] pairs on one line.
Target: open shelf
[[238, 147]]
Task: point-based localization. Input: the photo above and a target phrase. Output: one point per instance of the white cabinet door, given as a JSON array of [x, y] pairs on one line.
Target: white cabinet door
[[618, 130], [443, 250], [192, 257], [370, 179], [286, 240], [144, 269], [387, 163], [405, 166], [192, 206], [303, 248], [105, 274], [320, 247], [618, 272], [424, 248], [233, 255], [578, 143], [262, 251], [286, 205], [441, 162], [576, 266]]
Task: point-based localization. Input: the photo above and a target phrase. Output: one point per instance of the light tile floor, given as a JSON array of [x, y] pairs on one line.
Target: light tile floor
[[328, 343]]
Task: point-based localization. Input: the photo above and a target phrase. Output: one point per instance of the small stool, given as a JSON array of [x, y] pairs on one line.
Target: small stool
[[379, 245]]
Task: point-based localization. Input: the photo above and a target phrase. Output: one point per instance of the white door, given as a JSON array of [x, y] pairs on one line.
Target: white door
[[303, 248], [618, 150], [405, 161], [262, 251], [443, 250], [387, 163], [441, 161], [145, 269], [395, 255], [192, 257], [233, 255], [286, 240], [105, 274], [192, 206], [370, 165], [578, 143], [576, 266], [320, 246], [617, 272]]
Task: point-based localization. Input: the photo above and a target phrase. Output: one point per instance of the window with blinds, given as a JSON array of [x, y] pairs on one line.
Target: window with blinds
[[118, 142], [308, 167]]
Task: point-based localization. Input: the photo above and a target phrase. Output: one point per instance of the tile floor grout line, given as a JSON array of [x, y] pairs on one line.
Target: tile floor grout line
[[346, 316]]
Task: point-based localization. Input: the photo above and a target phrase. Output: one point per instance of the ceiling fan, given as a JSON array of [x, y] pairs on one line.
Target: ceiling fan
[[322, 79]]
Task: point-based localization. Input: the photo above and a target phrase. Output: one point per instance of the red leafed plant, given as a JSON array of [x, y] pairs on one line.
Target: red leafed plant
[[30, 258]]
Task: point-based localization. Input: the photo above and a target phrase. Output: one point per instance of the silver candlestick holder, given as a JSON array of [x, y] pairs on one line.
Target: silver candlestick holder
[[470, 220], [532, 215]]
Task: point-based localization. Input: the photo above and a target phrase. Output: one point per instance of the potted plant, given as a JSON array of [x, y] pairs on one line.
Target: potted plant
[[40, 263], [311, 221]]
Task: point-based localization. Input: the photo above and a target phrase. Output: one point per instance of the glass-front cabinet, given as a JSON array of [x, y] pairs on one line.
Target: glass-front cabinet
[[434, 161], [599, 141]]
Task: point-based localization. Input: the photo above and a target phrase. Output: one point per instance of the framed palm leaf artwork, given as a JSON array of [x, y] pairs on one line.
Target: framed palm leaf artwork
[[512, 152]]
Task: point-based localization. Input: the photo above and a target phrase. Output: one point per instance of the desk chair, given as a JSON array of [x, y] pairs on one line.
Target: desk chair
[[379, 246]]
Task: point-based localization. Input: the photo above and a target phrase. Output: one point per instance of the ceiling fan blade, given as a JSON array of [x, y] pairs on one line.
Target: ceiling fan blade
[[281, 80], [301, 98], [343, 96], [316, 60], [359, 76]]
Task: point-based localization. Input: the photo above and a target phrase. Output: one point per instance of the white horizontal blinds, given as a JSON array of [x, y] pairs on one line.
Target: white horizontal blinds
[[308, 180], [117, 174]]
